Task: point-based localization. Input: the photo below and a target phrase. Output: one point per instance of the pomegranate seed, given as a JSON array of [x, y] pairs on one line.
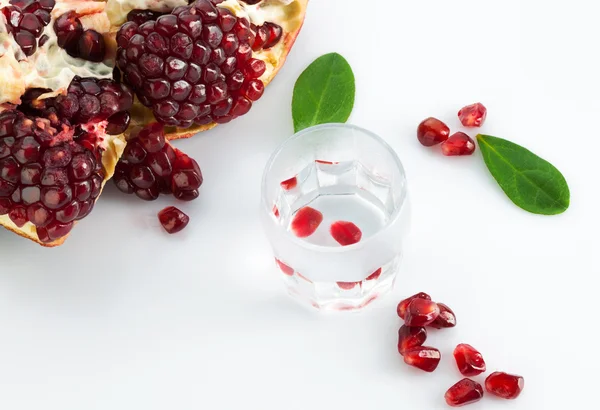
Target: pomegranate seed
[[275, 33], [445, 319], [347, 285], [18, 215], [507, 386], [469, 361], [459, 143], [432, 131], [464, 392], [421, 312], [403, 305], [172, 219], [285, 268], [289, 184], [473, 115], [306, 221], [423, 357], [345, 233], [409, 337], [375, 275], [91, 46]]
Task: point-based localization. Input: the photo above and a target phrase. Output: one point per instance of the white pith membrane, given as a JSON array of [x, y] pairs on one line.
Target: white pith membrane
[[52, 68]]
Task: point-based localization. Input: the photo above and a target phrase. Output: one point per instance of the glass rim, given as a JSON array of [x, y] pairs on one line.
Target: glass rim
[[283, 145]]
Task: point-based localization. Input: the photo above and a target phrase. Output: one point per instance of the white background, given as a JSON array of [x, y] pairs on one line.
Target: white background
[[125, 317]]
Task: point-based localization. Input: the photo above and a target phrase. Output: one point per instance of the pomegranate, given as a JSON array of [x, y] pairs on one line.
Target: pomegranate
[[432, 131], [507, 386], [306, 221], [173, 219], [421, 312], [473, 115], [409, 337], [345, 233], [445, 319], [464, 392], [469, 361], [403, 305], [423, 357], [458, 144]]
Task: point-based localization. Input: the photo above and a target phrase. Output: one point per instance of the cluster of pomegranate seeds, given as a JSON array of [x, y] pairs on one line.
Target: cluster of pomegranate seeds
[[345, 233], [464, 392], [468, 360], [173, 219], [306, 221], [150, 166], [77, 42], [194, 65], [26, 20], [473, 115], [504, 385]]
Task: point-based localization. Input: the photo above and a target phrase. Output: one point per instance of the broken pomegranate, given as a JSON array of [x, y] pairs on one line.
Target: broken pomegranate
[[464, 392], [507, 386], [459, 143], [289, 184], [473, 115], [445, 319], [345, 233], [421, 312], [469, 361], [432, 131], [173, 219], [403, 305], [409, 337], [306, 221], [423, 357]]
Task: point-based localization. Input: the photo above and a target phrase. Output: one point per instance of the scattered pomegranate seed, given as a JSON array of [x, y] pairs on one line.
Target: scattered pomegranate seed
[[473, 115], [403, 305], [446, 319], [421, 312], [423, 357], [172, 219], [347, 285], [464, 392], [432, 131], [409, 337], [507, 386], [374, 275], [289, 183], [469, 361], [285, 268], [345, 233], [458, 144], [275, 211], [306, 221]]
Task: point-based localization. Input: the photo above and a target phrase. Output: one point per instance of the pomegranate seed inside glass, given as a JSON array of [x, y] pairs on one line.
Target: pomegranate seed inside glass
[[341, 221]]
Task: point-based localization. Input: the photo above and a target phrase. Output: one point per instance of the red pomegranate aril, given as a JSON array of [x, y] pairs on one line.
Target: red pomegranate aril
[[152, 138], [375, 275], [91, 46], [469, 361], [253, 89], [141, 16], [423, 357], [18, 215], [306, 221], [464, 392], [68, 28], [285, 268], [446, 319], [432, 131], [118, 123], [473, 115], [410, 337], [173, 219], [403, 305], [458, 143], [69, 213], [345, 233], [275, 32], [261, 37], [289, 184], [38, 215], [421, 312], [504, 385]]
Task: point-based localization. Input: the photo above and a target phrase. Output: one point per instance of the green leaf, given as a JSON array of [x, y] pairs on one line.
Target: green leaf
[[323, 93], [531, 182]]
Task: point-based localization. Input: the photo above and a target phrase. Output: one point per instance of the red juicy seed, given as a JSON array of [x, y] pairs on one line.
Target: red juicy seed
[[18, 215], [410, 337], [5, 205], [226, 19], [403, 305], [255, 68], [91, 46], [507, 386], [68, 28], [473, 115], [274, 35], [469, 361], [375, 275], [262, 35], [289, 184], [31, 23], [285, 268], [253, 89], [152, 138], [27, 42], [445, 319], [347, 285], [345, 233], [173, 220], [421, 312], [141, 16], [458, 144], [118, 123], [38, 215], [306, 221], [423, 357], [432, 131], [464, 392]]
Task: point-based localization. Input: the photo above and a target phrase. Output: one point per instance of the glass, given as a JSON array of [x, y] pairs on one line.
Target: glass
[[350, 185]]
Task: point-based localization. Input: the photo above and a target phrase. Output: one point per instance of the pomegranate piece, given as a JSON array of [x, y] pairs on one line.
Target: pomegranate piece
[[26, 21], [423, 357], [345, 233], [459, 143], [173, 219], [464, 392], [432, 132], [375, 275], [289, 184], [403, 305], [306, 221], [285, 268], [472, 115], [469, 361], [410, 337], [504, 385], [445, 319], [421, 312]]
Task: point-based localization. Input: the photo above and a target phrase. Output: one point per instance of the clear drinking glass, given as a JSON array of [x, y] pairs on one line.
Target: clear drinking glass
[[349, 184]]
